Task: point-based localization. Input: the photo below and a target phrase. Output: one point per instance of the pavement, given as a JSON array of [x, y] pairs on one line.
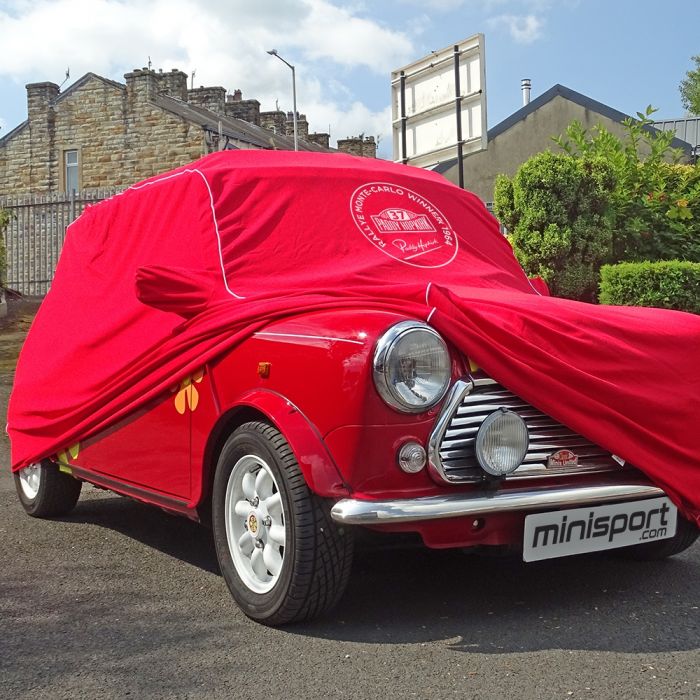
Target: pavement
[[121, 600]]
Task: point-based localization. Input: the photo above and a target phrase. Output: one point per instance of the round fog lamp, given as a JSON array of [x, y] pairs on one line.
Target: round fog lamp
[[502, 442], [412, 457]]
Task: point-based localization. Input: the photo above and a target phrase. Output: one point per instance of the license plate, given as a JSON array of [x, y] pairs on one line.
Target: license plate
[[579, 530]]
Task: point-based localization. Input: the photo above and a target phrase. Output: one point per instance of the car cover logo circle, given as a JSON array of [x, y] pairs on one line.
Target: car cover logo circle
[[403, 224]]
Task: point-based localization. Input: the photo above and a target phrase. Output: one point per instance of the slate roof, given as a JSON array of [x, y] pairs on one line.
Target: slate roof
[[548, 96], [233, 128]]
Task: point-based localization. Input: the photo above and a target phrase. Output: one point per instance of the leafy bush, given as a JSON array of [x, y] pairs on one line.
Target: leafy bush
[[556, 211], [655, 204], [671, 284]]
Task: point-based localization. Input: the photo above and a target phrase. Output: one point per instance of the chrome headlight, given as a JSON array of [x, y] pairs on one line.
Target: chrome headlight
[[502, 442], [412, 367]]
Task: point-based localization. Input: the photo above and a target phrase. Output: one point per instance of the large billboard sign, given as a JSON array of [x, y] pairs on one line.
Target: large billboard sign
[[439, 105]]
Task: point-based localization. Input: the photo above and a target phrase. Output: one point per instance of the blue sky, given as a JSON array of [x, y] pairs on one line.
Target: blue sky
[[624, 53]]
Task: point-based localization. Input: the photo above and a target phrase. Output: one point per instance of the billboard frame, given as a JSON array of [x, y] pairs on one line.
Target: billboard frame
[[439, 63]]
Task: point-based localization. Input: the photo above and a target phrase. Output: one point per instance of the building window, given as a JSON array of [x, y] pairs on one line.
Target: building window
[[71, 170]]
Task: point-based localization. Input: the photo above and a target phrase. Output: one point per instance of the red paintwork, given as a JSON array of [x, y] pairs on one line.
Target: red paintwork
[[320, 395], [158, 431]]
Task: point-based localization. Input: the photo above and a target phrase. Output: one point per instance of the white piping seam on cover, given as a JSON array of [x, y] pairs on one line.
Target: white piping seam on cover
[[188, 171]]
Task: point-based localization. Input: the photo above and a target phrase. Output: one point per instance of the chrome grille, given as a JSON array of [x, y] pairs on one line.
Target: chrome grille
[[454, 458]]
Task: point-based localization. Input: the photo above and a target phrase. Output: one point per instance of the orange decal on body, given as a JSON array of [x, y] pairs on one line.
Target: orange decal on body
[[187, 394]]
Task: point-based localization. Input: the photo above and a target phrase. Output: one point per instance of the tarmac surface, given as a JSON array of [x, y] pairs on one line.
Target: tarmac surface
[[120, 600]]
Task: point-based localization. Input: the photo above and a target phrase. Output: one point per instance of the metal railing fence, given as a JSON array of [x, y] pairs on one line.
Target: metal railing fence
[[35, 234]]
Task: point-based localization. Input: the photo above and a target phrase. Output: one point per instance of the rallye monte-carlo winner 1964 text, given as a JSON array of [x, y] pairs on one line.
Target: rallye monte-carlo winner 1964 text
[[294, 346]]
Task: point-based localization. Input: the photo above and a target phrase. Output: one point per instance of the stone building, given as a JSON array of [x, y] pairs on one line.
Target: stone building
[[100, 133], [529, 131], [359, 146]]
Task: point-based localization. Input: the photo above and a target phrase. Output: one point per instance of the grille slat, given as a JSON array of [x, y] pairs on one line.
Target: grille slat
[[547, 436]]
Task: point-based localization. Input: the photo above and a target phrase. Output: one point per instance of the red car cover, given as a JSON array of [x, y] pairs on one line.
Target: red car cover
[[155, 281]]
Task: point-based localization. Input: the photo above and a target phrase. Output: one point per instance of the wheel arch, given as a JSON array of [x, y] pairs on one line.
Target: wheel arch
[[320, 471]]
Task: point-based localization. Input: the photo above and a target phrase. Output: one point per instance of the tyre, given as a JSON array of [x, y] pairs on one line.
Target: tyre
[[686, 534], [46, 492], [283, 558]]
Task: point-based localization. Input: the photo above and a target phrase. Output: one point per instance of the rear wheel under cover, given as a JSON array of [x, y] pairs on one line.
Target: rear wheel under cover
[[282, 556], [46, 492]]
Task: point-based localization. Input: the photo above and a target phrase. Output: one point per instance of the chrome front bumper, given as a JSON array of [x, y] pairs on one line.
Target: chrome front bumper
[[352, 511]]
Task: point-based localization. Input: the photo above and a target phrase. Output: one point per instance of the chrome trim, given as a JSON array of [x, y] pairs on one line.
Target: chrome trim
[[381, 352], [453, 459], [459, 390], [351, 511], [262, 334]]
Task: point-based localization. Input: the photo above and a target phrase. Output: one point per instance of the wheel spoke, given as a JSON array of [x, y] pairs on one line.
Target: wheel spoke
[[274, 502], [272, 559], [263, 484], [276, 534], [245, 544], [248, 485], [242, 508], [258, 564]]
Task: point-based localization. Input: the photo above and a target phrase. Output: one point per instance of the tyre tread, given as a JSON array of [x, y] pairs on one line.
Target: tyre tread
[[57, 494], [323, 555]]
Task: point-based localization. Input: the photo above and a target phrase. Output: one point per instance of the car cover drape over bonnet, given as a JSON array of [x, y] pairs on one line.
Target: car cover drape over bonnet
[[156, 281]]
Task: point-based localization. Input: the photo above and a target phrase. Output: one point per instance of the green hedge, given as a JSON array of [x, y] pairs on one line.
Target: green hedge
[[671, 284]]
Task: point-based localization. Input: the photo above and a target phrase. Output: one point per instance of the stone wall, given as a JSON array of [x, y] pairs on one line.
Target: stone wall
[[302, 125], [359, 146], [274, 121], [211, 98], [320, 139], [120, 136], [173, 83]]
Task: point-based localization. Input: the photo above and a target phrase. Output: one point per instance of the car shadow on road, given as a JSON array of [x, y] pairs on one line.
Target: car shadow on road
[[472, 603], [501, 605], [173, 535]]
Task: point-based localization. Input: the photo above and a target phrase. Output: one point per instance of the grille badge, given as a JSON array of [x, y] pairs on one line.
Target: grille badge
[[562, 458]]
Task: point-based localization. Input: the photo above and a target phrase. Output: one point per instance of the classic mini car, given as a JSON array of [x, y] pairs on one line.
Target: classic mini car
[[294, 346]]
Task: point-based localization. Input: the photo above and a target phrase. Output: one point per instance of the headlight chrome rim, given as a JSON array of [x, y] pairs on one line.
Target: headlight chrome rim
[[382, 356], [482, 433]]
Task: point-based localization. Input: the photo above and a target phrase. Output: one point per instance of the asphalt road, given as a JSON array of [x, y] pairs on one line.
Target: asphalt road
[[121, 600]]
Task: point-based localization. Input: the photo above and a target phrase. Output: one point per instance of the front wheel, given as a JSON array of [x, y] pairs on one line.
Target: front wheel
[[283, 558], [46, 492]]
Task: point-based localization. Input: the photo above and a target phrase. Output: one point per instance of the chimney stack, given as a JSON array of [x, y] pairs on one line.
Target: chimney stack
[[525, 85]]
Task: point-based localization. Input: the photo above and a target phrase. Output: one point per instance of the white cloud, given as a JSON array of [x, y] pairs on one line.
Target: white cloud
[[224, 40], [523, 28]]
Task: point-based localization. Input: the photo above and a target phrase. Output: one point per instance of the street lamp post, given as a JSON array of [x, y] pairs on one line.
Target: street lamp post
[[273, 52]]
